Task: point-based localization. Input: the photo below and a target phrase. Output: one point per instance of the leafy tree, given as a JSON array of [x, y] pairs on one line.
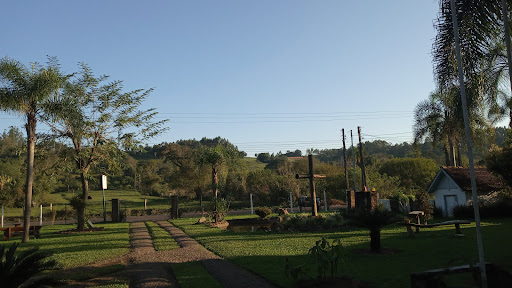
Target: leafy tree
[[422, 203], [413, 173], [499, 162], [25, 92], [99, 120]]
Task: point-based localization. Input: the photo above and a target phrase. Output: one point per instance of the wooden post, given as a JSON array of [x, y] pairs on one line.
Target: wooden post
[[2, 216], [145, 203], [174, 207], [325, 202], [291, 203], [314, 208], [345, 159], [363, 171], [311, 176], [252, 205], [41, 215]]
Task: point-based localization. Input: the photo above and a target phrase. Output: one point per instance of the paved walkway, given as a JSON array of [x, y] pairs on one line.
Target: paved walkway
[[149, 268]]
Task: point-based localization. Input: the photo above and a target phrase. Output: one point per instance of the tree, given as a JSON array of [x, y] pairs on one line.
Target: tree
[[100, 120], [26, 92], [413, 173], [499, 162]]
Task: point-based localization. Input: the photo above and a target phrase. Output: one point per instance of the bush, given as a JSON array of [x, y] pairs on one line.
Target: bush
[[502, 209], [263, 211]]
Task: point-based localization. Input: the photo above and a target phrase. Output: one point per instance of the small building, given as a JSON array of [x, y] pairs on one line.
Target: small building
[[452, 186]]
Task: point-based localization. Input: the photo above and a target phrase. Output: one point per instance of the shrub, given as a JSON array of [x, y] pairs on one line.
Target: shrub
[[17, 268], [263, 211], [501, 209]]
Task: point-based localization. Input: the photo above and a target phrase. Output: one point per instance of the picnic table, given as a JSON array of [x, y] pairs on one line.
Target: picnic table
[[18, 230], [456, 223]]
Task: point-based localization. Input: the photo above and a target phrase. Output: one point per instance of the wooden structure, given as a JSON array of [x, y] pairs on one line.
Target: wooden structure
[[174, 207], [18, 230], [452, 186], [496, 276], [311, 176], [116, 210], [457, 224]]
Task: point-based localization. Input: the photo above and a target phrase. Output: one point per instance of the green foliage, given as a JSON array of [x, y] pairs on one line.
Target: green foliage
[[422, 203], [325, 257], [220, 209], [413, 173], [17, 268], [372, 220], [499, 162], [263, 211], [271, 189]]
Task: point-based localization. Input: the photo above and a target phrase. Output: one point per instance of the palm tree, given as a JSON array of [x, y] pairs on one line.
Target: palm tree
[[373, 220], [434, 118], [24, 92]]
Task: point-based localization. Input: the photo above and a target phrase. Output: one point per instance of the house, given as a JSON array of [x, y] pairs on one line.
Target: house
[[452, 186]]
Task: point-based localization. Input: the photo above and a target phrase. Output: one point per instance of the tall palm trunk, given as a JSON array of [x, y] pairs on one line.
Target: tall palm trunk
[[85, 196], [31, 146], [453, 160]]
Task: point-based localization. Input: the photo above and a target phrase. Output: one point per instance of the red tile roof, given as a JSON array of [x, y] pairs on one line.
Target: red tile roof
[[486, 182]]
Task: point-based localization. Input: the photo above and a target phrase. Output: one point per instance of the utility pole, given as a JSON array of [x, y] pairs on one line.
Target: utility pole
[[363, 171], [345, 159], [353, 157]]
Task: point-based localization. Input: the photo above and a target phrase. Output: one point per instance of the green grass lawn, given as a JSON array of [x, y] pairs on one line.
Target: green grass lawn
[[265, 253], [130, 199], [162, 240], [78, 249], [193, 274]]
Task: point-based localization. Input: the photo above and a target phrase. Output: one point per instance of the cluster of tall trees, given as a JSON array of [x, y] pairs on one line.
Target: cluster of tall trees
[[87, 114], [484, 39]]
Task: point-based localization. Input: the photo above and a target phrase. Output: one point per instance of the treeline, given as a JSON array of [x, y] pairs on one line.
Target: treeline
[[185, 168]]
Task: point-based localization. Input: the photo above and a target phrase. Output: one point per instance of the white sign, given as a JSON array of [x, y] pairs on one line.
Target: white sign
[[103, 181]]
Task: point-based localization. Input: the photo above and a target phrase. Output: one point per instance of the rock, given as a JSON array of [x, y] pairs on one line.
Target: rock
[[201, 220], [282, 211]]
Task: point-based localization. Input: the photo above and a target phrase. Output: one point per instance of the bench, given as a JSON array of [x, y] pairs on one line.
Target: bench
[[18, 230], [496, 276], [457, 224]]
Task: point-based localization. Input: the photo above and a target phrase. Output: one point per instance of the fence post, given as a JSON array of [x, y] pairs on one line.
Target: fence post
[[41, 215], [252, 207], [325, 202], [291, 203], [145, 203], [2, 216]]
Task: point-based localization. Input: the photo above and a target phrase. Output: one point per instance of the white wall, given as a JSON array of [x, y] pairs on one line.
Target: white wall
[[444, 198]]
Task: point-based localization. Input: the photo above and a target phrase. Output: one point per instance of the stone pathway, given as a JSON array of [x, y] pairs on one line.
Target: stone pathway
[[150, 268]]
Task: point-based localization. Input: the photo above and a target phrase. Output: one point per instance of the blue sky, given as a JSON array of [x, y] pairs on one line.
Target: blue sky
[[267, 75]]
